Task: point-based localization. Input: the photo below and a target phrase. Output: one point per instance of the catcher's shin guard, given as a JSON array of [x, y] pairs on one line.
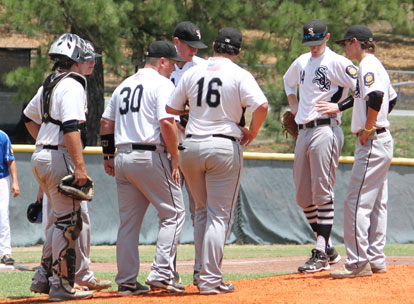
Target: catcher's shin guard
[[65, 265], [46, 263]]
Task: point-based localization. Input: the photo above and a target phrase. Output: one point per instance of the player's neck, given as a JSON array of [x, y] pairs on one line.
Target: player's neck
[[180, 64], [224, 55]]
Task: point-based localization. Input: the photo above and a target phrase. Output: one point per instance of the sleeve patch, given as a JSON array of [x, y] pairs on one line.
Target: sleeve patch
[[352, 71], [369, 79]]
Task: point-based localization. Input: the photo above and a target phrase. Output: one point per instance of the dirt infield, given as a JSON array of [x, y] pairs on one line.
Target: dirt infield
[[396, 286]]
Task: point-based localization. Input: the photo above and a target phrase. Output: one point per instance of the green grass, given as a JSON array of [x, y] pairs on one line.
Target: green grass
[[16, 284], [186, 252]]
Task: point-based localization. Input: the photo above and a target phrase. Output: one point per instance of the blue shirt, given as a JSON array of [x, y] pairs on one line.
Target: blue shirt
[[6, 154]]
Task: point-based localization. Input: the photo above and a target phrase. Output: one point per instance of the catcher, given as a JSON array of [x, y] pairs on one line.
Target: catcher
[[55, 117]]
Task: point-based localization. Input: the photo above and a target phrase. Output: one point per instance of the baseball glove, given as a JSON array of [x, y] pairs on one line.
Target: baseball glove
[[81, 193], [289, 125], [34, 212]]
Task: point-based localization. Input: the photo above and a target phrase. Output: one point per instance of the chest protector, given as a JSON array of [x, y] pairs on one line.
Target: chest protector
[[49, 87]]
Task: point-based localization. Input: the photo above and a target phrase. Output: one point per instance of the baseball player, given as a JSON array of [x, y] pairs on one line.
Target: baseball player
[[84, 277], [7, 168], [54, 117], [187, 41], [136, 123], [365, 207], [212, 159], [321, 75]]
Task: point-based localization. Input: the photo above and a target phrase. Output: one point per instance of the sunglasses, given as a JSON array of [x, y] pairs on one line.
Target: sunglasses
[[316, 36]]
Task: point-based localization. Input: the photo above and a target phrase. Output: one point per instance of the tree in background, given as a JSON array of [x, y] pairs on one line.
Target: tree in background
[[122, 29]]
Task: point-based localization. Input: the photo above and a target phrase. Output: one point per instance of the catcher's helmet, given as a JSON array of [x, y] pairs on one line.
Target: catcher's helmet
[[34, 212], [73, 47]]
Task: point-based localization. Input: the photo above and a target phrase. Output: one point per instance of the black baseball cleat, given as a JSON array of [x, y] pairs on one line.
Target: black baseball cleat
[[317, 262], [7, 259], [125, 290], [168, 285], [333, 255]]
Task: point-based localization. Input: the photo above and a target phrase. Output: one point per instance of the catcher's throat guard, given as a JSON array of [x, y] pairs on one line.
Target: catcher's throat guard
[[81, 193]]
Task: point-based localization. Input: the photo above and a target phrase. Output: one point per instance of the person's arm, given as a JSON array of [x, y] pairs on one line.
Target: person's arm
[[293, 103], [172, 111], [33, 128], [258, 117], [170, 136], [15, 183], [326, 107], [374, 103], [74, 145], [107, 133]]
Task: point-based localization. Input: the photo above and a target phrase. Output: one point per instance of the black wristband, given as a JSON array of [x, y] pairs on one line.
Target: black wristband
[[109, 157], [346, 103], [108, 143]]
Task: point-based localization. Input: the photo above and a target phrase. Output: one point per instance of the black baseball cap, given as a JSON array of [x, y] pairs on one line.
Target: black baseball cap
[[164, 49], [360, 32], [190, 34], [231, 36], [314, 32]]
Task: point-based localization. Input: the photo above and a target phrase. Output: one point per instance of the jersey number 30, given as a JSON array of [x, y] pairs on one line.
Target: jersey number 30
[[213, 94], [132, 104]]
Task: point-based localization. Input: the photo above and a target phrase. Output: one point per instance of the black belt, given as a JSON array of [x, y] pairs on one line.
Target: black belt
[[382, 130], [144, 147], [50, 147], [217, 135], [314, 123]]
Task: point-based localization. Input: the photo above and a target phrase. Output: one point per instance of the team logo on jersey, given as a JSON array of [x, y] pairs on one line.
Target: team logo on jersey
[[302, 77], [369, 79], [352, 71], [321, 79]]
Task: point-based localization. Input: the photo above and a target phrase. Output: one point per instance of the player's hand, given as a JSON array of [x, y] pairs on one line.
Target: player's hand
[[109, 166], [81, 176], [325, 107], [248, 136], [175, 171], [15, 189], [363, 136]]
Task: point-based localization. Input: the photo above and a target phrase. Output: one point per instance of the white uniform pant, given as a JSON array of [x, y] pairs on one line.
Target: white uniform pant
[[212, 167], [5, 243], [83, 245], [49, 166], [143, 178], [365, 207]]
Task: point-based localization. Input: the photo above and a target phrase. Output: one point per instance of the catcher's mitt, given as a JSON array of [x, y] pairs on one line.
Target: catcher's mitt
[[81, 193], [289, 125], [34, 212]]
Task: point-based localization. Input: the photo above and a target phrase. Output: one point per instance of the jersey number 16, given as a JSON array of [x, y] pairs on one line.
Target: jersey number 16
[[213, 94]]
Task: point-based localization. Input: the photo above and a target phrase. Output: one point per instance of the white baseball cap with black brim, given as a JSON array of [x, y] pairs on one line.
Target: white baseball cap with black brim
[[360, 32], [164, 49], [314, 32]]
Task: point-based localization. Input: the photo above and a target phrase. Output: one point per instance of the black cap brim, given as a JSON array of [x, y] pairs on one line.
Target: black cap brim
[[196, 44], [313, 42], [179, 59]]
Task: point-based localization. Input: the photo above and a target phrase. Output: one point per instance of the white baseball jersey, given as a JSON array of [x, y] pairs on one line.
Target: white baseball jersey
[[226, 88], [372, 76], [325, 78], [133, 105], [69, 102], [179, 72]]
